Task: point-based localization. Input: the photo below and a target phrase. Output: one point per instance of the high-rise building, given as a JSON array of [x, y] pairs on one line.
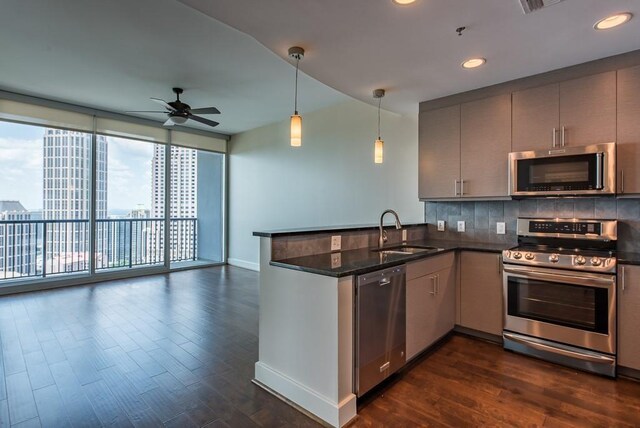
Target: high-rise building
[[66, 196], [183, 198], [18, 241]]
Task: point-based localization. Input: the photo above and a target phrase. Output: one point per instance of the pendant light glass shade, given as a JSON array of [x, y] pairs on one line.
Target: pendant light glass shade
[[378, 146], [296, 130], [378, 151], [296, 53]]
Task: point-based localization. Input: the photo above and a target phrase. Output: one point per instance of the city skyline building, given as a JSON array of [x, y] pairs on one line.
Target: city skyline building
[[18, 241], [183, 198], [67, 196]]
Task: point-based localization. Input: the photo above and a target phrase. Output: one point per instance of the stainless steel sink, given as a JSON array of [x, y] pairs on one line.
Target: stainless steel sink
[[407, 249]]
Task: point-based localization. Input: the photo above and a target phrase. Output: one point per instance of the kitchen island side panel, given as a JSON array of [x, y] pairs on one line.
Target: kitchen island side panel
[[306, 339]]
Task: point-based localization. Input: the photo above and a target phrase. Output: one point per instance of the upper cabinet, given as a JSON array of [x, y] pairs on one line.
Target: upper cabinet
[[628, 149], [463, 150], [588, 110], [575, 112], [439, 153], [536, 115], [485, 143]]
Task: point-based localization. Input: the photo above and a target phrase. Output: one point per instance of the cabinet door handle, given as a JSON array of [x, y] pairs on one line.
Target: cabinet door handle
[[455, 187], [433, 285], [437, 284], [622, 181], [461, 187], [563, 140], [499, 258], [554, 138], [622, 279]]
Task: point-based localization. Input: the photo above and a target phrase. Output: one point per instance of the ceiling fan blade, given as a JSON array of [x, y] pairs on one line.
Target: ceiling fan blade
[[205, 110], [163, 103], [169, 122], [146, 111], [203, 120]]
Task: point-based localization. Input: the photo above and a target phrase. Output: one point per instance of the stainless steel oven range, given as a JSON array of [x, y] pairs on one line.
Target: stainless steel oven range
[[559, 289]]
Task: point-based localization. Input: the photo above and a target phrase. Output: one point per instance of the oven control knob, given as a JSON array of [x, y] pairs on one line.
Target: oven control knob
[[506, 254], [529, 256], [580, 260], [596, 261], [517, 255], [554, 258]]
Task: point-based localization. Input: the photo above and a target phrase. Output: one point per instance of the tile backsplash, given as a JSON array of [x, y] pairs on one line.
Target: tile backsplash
[[285, 247], [481, 217]]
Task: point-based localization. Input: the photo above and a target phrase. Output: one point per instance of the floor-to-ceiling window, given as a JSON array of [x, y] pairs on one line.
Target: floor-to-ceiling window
[[84, 195], [129, 226], [44, 201], [196, 201]]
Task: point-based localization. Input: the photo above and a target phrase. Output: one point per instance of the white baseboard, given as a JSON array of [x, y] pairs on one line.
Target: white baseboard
[[335, 414], [244, 264]]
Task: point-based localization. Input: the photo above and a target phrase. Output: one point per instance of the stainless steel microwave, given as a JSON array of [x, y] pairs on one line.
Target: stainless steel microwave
[[567, 171]]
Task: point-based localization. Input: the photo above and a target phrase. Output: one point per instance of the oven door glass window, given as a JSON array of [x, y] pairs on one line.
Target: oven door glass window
[[584, 308], [576, 172]]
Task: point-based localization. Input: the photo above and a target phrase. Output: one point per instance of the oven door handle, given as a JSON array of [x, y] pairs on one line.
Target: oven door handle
[[589, 280], [593, 358]]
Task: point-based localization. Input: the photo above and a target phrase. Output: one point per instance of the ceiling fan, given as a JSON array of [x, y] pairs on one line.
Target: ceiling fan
[[179, 112]]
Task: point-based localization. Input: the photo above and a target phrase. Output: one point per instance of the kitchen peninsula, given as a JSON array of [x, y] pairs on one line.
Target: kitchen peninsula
[[307, 306]]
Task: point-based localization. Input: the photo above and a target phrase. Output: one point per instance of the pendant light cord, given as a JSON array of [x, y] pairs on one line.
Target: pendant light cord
[[379, 103], [295, 102]]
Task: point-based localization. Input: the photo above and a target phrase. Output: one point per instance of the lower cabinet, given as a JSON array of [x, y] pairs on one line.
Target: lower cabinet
[[481, 306], [629, 316], [431, 301]]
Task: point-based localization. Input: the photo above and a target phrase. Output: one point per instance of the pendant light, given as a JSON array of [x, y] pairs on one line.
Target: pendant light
[[378, 147], [296, 53]]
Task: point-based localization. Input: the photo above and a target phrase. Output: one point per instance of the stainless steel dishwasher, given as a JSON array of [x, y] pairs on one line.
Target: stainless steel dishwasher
[[380, 326]]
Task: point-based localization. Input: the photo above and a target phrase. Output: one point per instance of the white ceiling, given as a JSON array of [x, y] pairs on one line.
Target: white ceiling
[[414, 52], [115, 54]]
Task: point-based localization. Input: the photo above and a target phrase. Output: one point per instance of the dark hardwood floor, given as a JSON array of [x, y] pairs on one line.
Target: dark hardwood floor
[[178, 350], [469, 382]]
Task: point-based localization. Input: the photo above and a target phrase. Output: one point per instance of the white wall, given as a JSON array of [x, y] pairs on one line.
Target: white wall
[[330, 180]]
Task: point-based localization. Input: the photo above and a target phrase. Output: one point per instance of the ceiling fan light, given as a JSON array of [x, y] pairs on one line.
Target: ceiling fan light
[[178, 120], [296, 130]]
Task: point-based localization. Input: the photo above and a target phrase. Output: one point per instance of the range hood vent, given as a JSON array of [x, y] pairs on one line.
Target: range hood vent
[[529, 6]]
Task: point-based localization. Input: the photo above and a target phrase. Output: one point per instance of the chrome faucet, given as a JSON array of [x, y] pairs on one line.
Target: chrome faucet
[[383, 235]]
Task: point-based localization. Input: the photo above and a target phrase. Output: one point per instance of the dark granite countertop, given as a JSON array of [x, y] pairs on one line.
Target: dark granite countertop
[[325, 229], [628, 258], [363, 260]]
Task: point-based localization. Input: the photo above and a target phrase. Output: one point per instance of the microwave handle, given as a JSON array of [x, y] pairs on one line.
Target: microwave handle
[[599, 163]]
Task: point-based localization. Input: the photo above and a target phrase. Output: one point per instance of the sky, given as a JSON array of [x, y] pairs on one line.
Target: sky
[[128, 169]]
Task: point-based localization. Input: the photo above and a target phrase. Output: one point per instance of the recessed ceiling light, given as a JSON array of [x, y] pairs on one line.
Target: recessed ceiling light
[[474, 62], [613, 21], [403, 2]]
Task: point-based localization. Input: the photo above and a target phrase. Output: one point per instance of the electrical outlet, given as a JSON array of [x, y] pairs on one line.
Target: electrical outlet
[[461, 226], [336, 243], [501, 228], [336, 260], [441, 225], [404, 235]]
